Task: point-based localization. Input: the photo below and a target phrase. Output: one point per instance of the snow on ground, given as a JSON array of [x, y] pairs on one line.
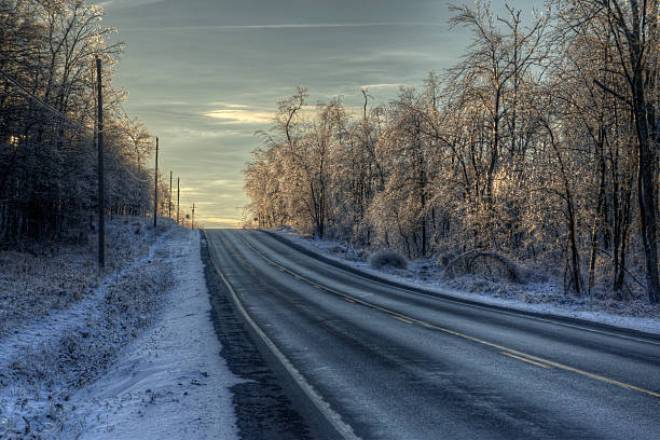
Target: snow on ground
[[539, 296], [170, 382], [131, 355], [38, 278]]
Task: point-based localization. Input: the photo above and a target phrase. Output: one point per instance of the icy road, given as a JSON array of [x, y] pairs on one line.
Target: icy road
[[383, 362]]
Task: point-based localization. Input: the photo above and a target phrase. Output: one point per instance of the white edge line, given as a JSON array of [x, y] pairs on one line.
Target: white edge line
[[331, 416]]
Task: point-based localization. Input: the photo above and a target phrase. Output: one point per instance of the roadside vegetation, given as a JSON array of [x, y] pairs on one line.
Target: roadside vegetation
[[63, 322], [63, 326], [538, 149], [48, 156], [42, 279]]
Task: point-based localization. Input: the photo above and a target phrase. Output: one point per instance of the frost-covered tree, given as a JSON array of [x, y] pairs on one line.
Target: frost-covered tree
[[541, 144], [47, 122]]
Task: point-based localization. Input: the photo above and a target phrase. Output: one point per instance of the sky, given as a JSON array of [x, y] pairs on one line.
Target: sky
[[206, 75]]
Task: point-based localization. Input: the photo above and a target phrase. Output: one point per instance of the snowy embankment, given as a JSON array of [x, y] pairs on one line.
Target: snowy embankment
[[543, 297], [40, 279], [133, 357]]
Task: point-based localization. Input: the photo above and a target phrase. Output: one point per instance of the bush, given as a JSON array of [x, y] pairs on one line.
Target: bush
[[389, 258], [482, 262]]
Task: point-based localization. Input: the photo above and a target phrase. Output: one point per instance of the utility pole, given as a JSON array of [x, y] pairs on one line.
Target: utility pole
[[101, 176], [192, 224], [169, 206], [156, 189], [178, 193]]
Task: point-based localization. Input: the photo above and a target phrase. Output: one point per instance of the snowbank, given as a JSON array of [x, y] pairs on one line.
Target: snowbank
[[544, 297], [45, 357], [108, 363], [171, 381]]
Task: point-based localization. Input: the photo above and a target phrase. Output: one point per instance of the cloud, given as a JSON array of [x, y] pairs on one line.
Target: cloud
[[189, 133], [117, 4], [383, 86], [228, 105], [240, 116], [226, 183], [284, 26]]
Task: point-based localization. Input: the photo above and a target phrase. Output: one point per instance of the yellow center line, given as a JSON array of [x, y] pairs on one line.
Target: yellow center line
[[518, 315], [529, 361], [509, 351]]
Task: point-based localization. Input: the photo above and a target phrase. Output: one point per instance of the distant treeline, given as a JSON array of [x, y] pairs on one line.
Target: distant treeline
[[48, 183], [541, 143]]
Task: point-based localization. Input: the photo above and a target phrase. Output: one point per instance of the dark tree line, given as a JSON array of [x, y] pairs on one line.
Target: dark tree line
[[48, 184]]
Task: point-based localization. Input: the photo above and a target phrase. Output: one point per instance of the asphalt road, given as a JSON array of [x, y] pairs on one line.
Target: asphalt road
[[398, 364]]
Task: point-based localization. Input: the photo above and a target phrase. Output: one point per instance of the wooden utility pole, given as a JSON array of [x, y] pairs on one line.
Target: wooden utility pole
[[192, 224], [101, 176], [178, 193], [169, 206], [156, 189]]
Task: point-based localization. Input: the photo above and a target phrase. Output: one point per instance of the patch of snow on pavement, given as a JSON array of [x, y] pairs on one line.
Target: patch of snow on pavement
[[170, 383]]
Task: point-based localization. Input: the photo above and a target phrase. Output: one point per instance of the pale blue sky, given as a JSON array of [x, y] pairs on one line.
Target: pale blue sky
[[204, 75]]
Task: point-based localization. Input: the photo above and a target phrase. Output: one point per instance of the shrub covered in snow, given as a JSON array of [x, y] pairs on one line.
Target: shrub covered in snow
[[487, 263], [387, 258]]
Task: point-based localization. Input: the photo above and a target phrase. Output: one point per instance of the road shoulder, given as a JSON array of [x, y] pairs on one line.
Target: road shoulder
[[263, 410]]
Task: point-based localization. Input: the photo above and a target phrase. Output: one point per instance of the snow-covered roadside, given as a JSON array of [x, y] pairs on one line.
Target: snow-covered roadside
[[38, 279], [134, 357], [45, 359], [45, 332], [170, 383], [538, 297]]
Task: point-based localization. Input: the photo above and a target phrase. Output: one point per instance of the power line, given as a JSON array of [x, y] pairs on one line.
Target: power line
[[78, 127]]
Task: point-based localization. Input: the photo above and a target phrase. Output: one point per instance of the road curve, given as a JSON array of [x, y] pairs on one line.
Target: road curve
[[398, 364]]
